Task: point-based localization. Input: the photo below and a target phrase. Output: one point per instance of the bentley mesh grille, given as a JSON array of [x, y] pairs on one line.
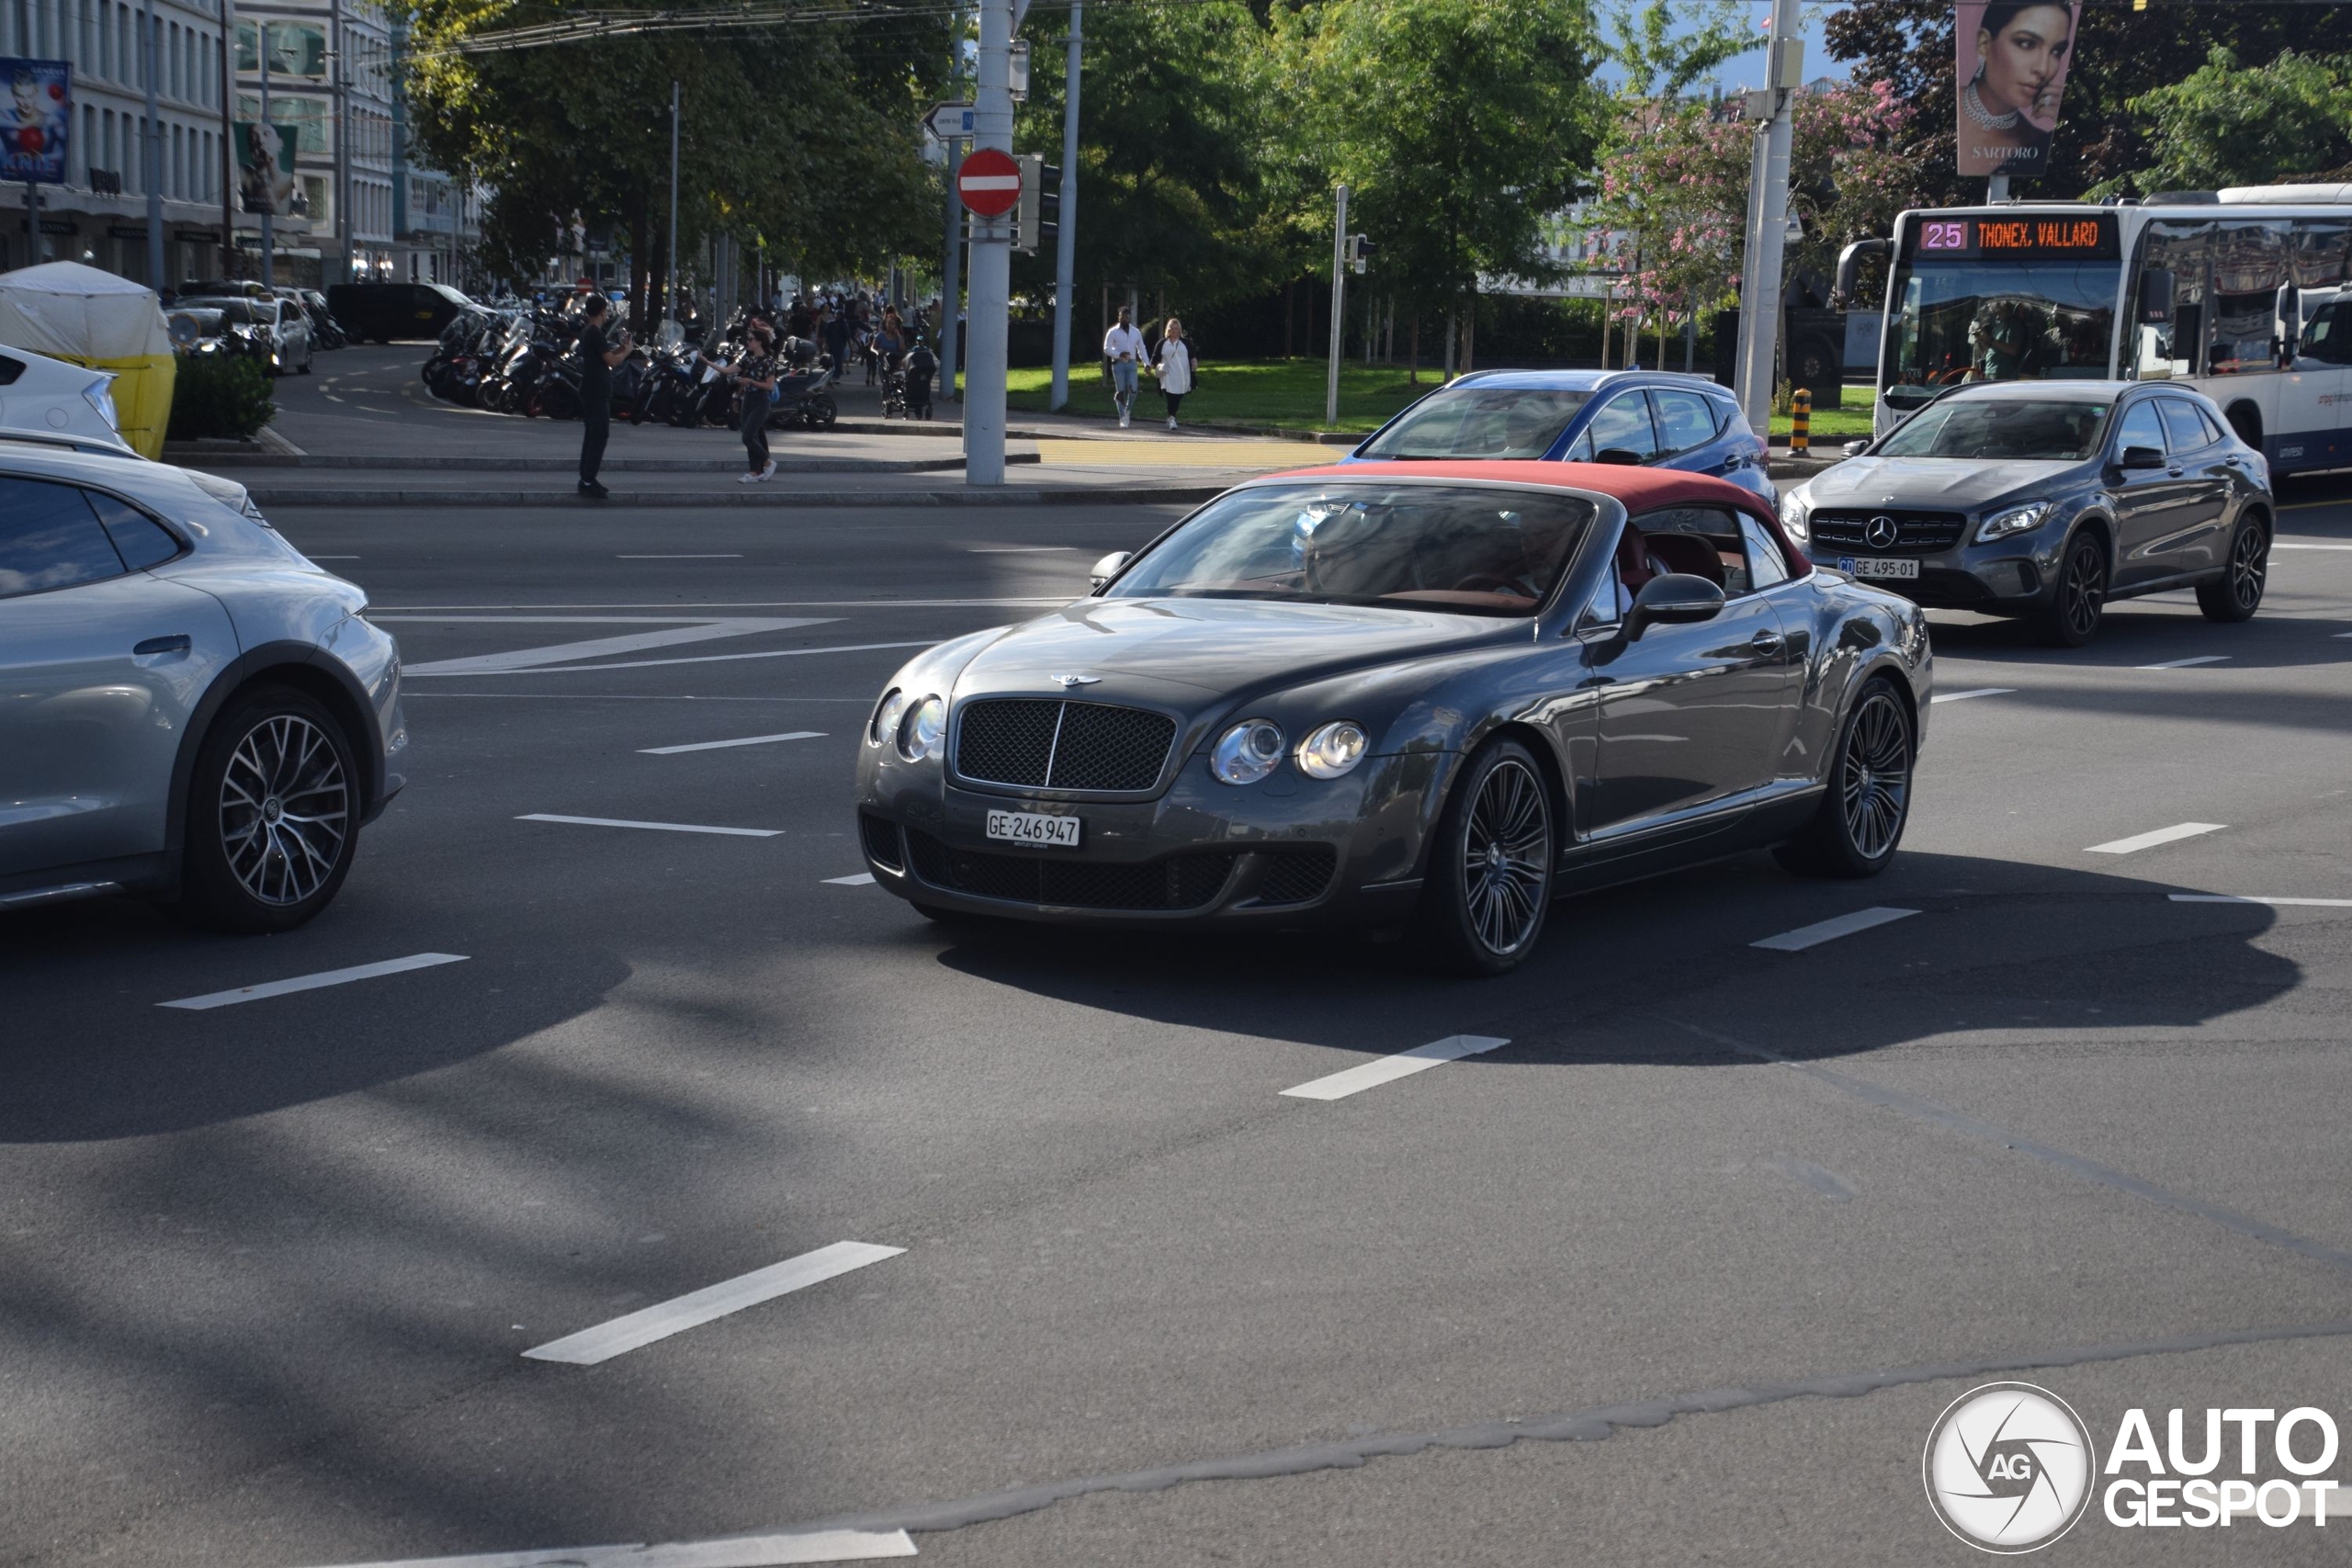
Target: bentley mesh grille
[[1043, 743], [1177, 882], [1296, 875], [881, 840]]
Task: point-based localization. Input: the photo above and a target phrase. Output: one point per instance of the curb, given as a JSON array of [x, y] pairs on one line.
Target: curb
[[291, 500], [714, 462]]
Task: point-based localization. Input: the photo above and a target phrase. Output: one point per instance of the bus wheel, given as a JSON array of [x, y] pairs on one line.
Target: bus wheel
[[2246, 420]]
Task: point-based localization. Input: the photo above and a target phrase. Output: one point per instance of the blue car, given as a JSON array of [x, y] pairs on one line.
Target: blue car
[[1652, 418]]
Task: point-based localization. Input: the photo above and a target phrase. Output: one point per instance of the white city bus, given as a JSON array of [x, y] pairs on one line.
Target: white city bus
[[2245, 295]]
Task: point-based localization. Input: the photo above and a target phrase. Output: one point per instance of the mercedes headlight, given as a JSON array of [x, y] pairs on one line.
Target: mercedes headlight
[[920, 731], [1247, 751], [884, 723], [1333, 750], [2014, 520], [1793, 517]]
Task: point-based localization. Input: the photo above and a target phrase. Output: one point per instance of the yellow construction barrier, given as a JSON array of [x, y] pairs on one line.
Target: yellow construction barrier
[[86, 317], [142, 396]]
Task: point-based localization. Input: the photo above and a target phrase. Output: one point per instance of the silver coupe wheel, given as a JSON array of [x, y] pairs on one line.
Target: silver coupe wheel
[[285, 810], [1507, 857], [1877, 774]]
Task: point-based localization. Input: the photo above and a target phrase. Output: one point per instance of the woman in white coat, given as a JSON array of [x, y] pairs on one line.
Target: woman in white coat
[[1176, 366]]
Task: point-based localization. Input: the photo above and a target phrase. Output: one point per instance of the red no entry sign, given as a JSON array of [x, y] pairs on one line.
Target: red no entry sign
[[989, 183]]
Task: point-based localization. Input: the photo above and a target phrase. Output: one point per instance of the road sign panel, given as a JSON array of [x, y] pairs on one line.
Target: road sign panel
[[989, 183], [947, 121]]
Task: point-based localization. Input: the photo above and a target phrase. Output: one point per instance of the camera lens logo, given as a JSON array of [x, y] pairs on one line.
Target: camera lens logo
[[2008, 1467]]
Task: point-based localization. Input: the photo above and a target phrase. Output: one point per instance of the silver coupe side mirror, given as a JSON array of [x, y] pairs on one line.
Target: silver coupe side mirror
[[1106, 569], [1856, 448]]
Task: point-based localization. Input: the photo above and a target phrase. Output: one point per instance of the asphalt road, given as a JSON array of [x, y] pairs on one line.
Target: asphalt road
[[1752, 1216]]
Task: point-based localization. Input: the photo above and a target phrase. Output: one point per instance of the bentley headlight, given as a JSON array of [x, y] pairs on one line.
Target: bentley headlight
[[885, 718], [919, 733], [1247, 751], [2015, 520], [1332, 750], [1792, 518]]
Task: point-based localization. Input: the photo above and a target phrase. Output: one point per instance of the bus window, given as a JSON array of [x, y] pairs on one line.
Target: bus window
[[2169, 348], [2249, 263], [2327, 336], [2321, 253]]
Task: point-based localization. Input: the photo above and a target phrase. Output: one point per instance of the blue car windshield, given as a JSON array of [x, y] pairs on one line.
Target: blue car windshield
[[1480, 422], [1468, 548]]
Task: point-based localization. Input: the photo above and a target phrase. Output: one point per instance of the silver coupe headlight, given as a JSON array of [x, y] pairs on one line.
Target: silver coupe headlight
[[1792, 518], [886, 718], [1333, 750], [2014, 520], [919, 734], [1247, 751]]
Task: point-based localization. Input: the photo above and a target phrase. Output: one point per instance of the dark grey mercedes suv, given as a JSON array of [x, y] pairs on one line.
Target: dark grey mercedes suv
[[2047, 499]]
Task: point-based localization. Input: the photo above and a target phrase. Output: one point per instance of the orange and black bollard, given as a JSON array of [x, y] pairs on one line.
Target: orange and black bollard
[[1801, 423]]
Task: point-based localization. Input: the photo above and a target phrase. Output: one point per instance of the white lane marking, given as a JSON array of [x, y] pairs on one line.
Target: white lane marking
[[724, 744], [713, 657], [333, 557], [2172, 834], [862, 879], [748, 605], [1815, 935], [1403, 1065], [1979, 692], [2283, 544], [736, 554], [662, 1319], [652, 827], [2185, 663], [743, 1552], [314, 982], [2257, 898], [1020, 549], [520, 660]]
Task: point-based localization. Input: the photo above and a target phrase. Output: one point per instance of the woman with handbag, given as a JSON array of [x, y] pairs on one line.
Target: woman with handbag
[[1176, 366]]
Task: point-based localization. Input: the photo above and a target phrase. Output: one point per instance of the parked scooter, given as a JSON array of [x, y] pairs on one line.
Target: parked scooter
[[802, 394]]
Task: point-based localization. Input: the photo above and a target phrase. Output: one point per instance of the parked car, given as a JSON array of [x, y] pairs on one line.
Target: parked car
[[1417, 695], [2048, 501], [1644, 418], [193, 711], [386, 311], [274, 330], [43, 394]]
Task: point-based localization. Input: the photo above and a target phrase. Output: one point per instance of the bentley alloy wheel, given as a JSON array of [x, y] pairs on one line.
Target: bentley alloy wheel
[[1489, 881], [1859, 823]]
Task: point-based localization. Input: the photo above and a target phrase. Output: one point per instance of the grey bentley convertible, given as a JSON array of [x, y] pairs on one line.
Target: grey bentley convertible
[[1429, 695]]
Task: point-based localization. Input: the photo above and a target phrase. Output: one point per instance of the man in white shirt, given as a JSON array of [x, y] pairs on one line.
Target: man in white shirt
[[1122, 346]]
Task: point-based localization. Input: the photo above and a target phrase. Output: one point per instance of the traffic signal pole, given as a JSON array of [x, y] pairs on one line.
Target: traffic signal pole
[[1066, 235], [991, 260], [1338, 305], [1768, 220]]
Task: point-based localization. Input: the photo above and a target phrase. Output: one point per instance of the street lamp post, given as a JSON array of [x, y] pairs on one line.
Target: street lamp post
[[1066, 234], [991, 259], [1338, 305], [1768, 216], [154, 140], [671, 293], [269, 136]]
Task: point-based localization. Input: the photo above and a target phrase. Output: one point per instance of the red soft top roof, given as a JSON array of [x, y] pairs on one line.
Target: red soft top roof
[[1642, 489]]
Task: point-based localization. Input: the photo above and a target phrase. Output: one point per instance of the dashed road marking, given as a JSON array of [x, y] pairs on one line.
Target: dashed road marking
[[1403, 1065], [2185, 663], [1816, 934], [314, 982], [2257, 898], [2171, 835], [742, 1551], [662, 1319], [652, 827], [1979, 692], [2284, 544], [724, 744], [1020, 549], [736, 554], [862, 879]]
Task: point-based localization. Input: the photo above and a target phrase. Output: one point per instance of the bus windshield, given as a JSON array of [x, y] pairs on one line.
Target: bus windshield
[[1996, 319]]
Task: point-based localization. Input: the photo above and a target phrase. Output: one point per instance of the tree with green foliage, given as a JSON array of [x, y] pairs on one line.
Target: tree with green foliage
[[2228, 124], [1665, 49], [1458, 125]]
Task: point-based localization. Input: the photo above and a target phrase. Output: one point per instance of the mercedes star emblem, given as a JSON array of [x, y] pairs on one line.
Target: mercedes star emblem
[[1079, 679], [1881, 532]]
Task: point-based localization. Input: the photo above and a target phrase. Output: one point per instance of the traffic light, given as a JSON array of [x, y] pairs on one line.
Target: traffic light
[[1359, 249], [1039, 216]]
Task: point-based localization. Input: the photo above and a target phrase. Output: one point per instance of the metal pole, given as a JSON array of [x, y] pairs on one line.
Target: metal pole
[[228, 142], [1996, 188], [1759, 305], [991, 260], [951, 275], [1338, 305], [269, 135], [670, 296], [152, 41], [1066, 238], [347, 231]]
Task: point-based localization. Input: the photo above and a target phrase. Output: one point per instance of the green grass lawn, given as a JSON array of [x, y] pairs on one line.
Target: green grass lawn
[[1288, 394]]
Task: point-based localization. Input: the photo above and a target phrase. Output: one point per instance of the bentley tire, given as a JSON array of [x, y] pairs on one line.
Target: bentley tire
[[2238, 593], [1489, 883], [1863, 813], [273, 815]]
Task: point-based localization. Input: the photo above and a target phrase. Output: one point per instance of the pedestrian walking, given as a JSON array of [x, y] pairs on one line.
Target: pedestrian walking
[[1177, 366], [754, 374], [1123, 348], [598, 355]]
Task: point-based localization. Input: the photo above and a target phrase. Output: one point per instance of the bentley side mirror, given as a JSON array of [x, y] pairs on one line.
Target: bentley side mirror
[[1856, 448], [1106, 569], [1676, 599], [2141, 457]]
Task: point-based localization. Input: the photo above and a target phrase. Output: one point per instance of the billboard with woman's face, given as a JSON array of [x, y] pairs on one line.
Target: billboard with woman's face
[[2013, 61]]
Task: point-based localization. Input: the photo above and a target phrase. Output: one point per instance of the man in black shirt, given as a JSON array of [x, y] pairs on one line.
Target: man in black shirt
[[598, 357]]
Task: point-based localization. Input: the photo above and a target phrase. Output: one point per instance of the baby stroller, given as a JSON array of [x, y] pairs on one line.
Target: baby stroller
[[894, 388], [921, 366]]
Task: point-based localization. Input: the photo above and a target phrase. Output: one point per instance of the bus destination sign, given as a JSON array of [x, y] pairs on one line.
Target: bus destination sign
[[2089, 237]]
